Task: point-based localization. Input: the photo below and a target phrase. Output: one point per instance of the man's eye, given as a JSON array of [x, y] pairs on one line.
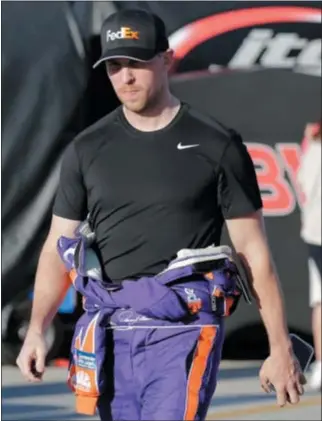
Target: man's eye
[[135, 64], [113, 67]]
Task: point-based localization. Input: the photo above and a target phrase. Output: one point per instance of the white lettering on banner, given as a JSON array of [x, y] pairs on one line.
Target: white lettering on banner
[[283, 50]]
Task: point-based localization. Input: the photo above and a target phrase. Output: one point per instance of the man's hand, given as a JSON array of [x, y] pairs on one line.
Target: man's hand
[[31, 359], [282, 370]]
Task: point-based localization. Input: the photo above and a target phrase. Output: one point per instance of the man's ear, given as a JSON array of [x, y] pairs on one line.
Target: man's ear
[[168, 58]]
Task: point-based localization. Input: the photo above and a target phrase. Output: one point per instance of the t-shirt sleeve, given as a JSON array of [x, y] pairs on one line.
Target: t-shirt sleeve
[[238, 190], [71, 198]]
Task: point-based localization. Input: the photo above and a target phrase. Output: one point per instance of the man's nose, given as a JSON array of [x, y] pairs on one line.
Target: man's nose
[[127, 75]]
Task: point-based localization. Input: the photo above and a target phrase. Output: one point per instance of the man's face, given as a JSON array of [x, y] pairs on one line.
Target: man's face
[[138, 85]]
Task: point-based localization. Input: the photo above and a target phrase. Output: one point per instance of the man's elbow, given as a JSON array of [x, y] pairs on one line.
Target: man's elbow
[[256, 256], [49, 256]]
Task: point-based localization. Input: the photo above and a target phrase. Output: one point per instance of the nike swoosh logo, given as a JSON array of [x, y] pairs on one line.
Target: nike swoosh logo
[[180, 146]]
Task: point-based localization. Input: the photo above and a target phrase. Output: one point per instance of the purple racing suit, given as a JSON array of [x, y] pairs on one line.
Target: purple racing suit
[[149, 349]]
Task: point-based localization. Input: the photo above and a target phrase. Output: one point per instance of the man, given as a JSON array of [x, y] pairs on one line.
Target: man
[[158, 177]]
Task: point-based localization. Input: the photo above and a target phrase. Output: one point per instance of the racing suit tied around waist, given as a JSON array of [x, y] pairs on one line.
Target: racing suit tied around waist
[[200, 282]]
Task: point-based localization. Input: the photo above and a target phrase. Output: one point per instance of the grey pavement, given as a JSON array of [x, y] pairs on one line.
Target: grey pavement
[[238, 397]]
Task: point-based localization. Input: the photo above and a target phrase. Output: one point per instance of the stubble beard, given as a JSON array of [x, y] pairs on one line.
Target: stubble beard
[[144, 105]]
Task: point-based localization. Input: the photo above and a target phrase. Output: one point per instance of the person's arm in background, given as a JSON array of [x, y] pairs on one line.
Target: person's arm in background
[[241, 205], [52, 280]]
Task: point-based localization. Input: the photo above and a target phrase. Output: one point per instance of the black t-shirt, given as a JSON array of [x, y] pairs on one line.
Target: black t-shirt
[[151, 194]]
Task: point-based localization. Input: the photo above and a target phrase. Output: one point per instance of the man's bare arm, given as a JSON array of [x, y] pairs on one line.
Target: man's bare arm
[[51, 277], [249, 239]]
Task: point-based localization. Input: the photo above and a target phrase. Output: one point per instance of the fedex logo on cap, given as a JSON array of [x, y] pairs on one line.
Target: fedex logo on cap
[[123, 33]]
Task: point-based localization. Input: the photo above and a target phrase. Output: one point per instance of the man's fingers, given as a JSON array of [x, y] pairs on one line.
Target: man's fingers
[[292, 394], [303, 380], [299, 384], [39, 366], [32, 373], [281, 396], [31, 360], [265, 384], [266, 388], [26, 367], [264, 380], [25, 362]]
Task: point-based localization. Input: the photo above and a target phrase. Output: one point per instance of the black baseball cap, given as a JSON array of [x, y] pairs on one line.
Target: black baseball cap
[[134, 34]]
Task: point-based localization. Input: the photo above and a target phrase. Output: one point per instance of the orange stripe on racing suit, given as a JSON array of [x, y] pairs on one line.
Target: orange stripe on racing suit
[[197, 370]]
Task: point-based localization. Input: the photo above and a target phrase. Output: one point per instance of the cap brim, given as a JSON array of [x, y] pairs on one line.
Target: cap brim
[[132, 53]]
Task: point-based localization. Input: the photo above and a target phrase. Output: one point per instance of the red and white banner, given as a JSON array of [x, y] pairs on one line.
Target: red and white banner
[[269, 36], [276, 169]]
